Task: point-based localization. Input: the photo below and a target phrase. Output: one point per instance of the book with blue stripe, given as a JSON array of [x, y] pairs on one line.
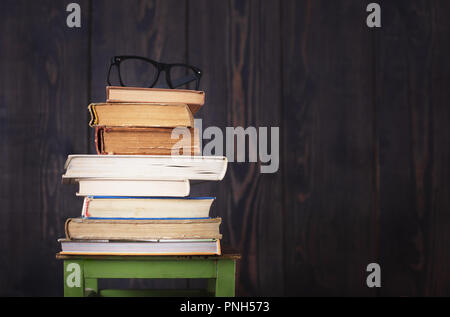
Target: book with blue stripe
[[163, 208]]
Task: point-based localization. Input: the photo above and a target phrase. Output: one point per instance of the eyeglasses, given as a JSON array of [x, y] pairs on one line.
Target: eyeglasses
[[137, 71]]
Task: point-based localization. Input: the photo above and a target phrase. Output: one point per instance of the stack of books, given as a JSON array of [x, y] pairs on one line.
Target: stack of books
[[135, 192]]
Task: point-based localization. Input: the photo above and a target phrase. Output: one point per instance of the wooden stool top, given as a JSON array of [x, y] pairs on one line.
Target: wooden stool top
[[227, 254]]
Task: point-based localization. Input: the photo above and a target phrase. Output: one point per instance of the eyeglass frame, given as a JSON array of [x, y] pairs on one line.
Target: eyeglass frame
[[161, 67]]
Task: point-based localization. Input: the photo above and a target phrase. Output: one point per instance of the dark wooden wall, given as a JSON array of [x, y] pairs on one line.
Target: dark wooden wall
[[364, 119]]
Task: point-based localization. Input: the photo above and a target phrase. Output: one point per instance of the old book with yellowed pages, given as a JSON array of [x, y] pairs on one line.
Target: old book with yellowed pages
[[139, 230], [144, 167], [145, 141], [117, 207], [140, 115], [194, 99]]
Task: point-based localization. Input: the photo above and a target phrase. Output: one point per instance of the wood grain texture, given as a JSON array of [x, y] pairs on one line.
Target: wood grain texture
[[236, 43], [155, 29], [42, 91], [330, 221], [403, 139], [436, 227], [152, 28]]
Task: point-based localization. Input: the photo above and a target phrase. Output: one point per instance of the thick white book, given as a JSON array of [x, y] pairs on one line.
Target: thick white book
[[146, 207], [132, 187], [147, 167], [163, 247]]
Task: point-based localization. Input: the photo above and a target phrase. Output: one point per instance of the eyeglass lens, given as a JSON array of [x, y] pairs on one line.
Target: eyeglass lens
[[138, 73]]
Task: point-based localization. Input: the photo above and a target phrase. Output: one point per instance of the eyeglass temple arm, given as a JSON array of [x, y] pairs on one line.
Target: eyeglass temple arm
[[183, 80]]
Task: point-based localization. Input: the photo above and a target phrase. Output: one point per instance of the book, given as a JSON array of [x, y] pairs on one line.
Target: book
[[140, 115], [194, 99], [163, 247], [105, 207], [133, 187], [147, 167], [94, 229], [144, 141]]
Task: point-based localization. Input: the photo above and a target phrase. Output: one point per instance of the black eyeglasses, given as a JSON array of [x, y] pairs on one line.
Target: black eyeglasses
[[137, 71]]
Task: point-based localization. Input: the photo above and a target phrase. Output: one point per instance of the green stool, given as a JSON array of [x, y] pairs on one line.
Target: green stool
[[81, 273]]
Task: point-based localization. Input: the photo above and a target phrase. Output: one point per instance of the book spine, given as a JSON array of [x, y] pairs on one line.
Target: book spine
[[107, 93], [219, 250], [66, 228], [99, 140], [85, 210], [94, 117]]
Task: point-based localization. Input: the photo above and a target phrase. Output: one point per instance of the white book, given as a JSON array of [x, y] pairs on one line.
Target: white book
[[147, 167], [132, 187], [174, 247]]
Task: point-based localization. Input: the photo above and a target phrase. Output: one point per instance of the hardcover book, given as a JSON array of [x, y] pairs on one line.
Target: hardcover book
[[140, 115], [133, 187], [144, 141], [138, 230], [194, 99], [105, 207], [145, 167]]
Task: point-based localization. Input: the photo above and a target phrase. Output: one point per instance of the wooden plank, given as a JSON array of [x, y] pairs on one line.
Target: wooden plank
[[330, 220], [151, 28], [226, 254], [235, 43], [437, 224], [154, 293], [403, 105], [150, 269], [43, 93]]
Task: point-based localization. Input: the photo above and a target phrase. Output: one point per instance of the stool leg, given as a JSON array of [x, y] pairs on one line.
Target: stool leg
[[211, 286], [225, 284], [91, 285], [73, 278]]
